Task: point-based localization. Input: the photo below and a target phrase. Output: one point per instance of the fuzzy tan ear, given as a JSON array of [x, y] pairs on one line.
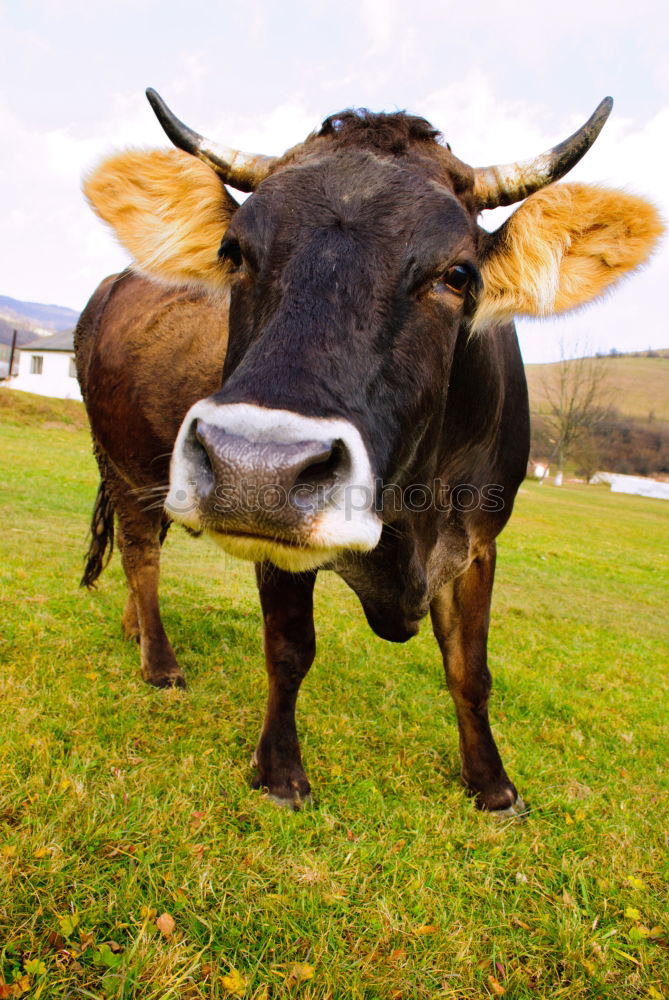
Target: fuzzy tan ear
[[168, 210], [563, 247]]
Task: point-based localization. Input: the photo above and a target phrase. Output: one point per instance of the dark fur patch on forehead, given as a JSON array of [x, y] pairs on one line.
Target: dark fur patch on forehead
[[387, 133]]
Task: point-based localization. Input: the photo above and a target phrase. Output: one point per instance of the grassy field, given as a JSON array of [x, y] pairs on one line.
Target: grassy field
[[135, 861], [638, 386]]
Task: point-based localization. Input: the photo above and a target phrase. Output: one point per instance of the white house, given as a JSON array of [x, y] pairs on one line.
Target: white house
[[46, 367]]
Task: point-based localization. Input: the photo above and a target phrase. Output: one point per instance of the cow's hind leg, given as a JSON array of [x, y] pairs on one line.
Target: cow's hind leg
[[140, 535], [130, 619], [290, 645], [460, 617]]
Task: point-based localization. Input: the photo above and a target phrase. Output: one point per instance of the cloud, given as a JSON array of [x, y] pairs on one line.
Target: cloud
[[54, 250], [378, 18]]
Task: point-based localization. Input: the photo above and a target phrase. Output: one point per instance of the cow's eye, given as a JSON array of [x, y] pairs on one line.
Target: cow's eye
[[231, 251], [457, 279]]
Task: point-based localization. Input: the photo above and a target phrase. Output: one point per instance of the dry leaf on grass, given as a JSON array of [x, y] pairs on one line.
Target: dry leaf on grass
[[21, 986], [299, 973], [165, 924], [234, 983], [496, 987]]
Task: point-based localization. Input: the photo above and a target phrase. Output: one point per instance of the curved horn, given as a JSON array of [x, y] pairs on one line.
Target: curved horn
[[504, 185], [243, 171]]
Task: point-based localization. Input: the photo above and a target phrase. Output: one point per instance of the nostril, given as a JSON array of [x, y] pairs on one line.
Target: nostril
[[197, 453], [327, 469]]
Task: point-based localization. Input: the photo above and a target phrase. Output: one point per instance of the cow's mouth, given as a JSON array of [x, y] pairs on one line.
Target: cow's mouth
[[258, 537], [293, 556]]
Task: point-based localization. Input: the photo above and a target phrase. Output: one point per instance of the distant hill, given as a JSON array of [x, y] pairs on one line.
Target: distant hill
[[632, 433], [638, 384], [32, 319]]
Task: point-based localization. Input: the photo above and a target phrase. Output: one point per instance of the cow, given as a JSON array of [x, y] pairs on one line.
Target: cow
[[327, 376]]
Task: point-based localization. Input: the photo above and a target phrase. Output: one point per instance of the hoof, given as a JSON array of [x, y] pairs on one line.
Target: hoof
[[168, 681], [517, 811], [294, 804], [294, 794]]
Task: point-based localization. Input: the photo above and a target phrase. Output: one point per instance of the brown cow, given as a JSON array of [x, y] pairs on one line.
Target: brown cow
[[369, 413]]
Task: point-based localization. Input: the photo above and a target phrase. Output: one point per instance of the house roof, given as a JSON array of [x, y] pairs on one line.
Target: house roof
[[63, 341]]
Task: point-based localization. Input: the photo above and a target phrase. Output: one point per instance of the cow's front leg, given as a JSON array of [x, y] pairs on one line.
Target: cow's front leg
[[460, 617], [290, 645]]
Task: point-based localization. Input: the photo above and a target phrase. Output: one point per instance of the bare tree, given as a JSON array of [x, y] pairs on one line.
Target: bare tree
[[577, 399], [587, 455]]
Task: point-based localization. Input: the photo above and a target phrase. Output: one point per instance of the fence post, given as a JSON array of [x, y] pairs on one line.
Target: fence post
[[11, 355]]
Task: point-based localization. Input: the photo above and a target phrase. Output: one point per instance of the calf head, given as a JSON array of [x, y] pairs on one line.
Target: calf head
[[352, 270]]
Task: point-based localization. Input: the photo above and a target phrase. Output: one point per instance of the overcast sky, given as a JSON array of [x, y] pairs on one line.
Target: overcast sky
[[502, 80]]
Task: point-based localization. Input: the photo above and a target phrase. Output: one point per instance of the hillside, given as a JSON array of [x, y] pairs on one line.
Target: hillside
[[638, 384], [32, 319]]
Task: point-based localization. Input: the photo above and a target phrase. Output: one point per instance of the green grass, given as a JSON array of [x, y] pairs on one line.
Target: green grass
[[119, 803]]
